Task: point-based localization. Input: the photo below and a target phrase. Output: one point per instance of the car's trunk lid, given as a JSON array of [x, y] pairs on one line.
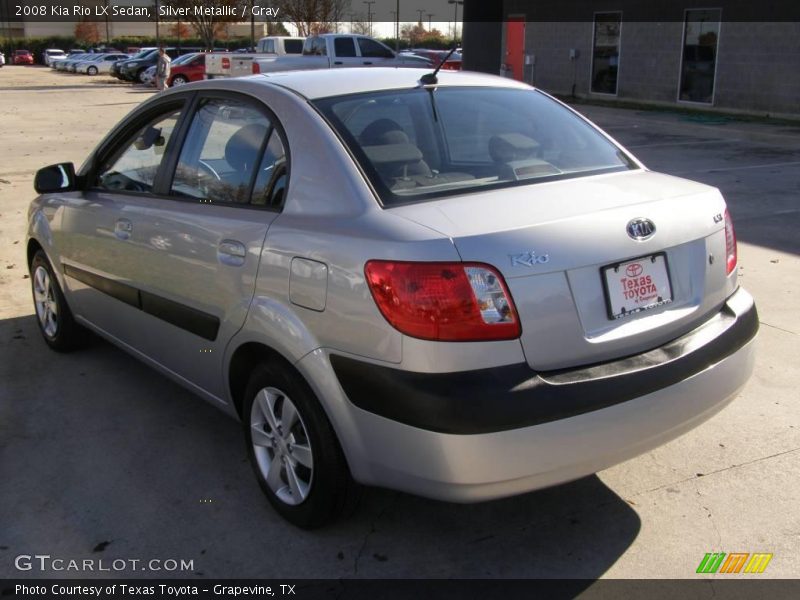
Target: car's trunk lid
[[552, 240]]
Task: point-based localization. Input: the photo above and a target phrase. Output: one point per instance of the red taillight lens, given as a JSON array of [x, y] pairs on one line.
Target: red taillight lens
[[443, 301], [256, 68], [731, 255]]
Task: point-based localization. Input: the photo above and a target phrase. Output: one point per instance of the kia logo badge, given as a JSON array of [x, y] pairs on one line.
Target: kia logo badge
[[641, 229], [633, 270]]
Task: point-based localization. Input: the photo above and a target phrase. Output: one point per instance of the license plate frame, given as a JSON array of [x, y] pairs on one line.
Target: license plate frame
[[608, 271]]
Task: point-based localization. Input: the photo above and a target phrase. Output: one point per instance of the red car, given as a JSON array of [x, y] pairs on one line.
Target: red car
[[23, 57], [192, 68]]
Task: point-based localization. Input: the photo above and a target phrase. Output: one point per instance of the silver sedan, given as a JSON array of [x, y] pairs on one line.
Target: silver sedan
[[452, 285]]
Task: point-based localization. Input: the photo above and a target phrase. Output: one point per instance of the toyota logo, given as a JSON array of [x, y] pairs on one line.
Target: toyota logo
[[641, 229], [633, 270]]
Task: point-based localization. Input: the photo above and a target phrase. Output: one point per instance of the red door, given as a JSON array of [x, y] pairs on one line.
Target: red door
[[515, 46]]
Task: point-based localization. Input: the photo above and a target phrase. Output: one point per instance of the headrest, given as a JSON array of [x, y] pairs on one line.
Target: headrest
[[241, 151]]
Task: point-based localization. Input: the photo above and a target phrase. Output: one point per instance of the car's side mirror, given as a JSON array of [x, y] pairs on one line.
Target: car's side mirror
[[56, 178]]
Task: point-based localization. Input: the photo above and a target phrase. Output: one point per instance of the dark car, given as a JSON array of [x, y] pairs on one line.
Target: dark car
[[133, 70]]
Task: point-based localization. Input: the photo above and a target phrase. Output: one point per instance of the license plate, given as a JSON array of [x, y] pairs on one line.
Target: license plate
[[637, 285]]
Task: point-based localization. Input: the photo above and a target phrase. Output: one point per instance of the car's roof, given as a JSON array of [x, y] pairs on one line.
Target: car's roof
[[323, 83]]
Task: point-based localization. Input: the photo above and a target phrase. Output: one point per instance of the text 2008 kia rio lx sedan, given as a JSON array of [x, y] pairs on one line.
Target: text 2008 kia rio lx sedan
[[458, 288]]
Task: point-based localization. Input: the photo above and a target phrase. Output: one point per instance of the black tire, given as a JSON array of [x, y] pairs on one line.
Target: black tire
[[140, 75], [91, 71], [331, 491], [68, 335], [178, 80]]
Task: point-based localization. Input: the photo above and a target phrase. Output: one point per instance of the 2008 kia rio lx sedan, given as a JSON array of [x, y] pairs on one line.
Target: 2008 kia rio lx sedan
[[458, 288]]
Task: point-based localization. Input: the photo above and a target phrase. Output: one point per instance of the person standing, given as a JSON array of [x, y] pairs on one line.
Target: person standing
[[162, 69]]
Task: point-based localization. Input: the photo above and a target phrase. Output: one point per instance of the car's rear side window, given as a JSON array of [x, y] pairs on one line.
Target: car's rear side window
[[221, 152], [425, 143]]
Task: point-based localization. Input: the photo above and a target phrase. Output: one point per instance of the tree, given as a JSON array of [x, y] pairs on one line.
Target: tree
[[313, 16], [208, 25], [86, 32], [179, 30], [276, 28]]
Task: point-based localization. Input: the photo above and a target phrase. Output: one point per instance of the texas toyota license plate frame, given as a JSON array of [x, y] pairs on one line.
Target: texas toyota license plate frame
[[636, 285]]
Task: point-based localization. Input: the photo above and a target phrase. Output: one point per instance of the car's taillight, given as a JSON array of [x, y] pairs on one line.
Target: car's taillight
[[443, 301], [730, 244], [256, 68]]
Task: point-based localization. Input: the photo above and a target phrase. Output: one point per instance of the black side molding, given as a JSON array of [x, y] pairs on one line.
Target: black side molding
[[187, 318], [515, 396]]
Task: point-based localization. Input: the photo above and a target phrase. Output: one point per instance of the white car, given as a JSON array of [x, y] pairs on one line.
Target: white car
[[2, 59], [148, 77], [101, 64], [52, 54]]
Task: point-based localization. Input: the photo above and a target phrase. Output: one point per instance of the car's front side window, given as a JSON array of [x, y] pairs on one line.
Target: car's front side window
[[221, 153], [135, 168]]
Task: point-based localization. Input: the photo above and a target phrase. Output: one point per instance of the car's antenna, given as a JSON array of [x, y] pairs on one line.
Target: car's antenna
[[430, 78]]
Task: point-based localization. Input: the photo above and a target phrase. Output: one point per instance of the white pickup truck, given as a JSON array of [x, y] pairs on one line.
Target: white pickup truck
[[334, 50], [219, 65]]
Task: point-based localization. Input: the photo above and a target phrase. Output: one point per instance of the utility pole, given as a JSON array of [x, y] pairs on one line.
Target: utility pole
[[419, 14], [158, 36], [429, 20], [369, 4], [397, 29], [455, 4]]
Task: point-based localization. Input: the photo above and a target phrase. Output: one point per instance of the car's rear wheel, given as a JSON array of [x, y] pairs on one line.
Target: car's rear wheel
[[140, 76], [179, 80], [293, 449], [53, 315], [92, 70]]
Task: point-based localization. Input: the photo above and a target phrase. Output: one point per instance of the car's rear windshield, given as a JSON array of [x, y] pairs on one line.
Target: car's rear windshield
[[423, 144]]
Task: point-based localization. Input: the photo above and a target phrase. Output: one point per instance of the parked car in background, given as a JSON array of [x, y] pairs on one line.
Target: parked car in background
[[66, 64], [148, 78], [188, 68], [2, 58], [102, 64], [52, 54], [453, 63], [451, 285], [23, 57], [133, 69], [238, 64]]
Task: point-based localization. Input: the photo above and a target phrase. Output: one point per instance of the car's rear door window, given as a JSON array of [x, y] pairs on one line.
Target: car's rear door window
[[222, 151]]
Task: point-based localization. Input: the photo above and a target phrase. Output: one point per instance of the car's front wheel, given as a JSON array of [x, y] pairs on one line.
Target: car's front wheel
[[53, 316], [293, 449], [179, 80], [92, 70], [140, 76]]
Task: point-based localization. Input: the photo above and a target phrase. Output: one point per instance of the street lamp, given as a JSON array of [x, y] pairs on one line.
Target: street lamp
[[369, 4], [455, 4], [429, 20]]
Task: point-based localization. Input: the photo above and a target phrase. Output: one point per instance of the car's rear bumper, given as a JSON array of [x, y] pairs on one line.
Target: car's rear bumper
[[479, 435]]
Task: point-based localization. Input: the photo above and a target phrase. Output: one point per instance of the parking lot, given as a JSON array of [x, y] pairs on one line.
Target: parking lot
[[101, 457]]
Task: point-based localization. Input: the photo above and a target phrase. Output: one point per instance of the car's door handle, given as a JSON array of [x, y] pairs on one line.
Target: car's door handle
[[123, 229], [367, 62], [231, 252], [337, 62]]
